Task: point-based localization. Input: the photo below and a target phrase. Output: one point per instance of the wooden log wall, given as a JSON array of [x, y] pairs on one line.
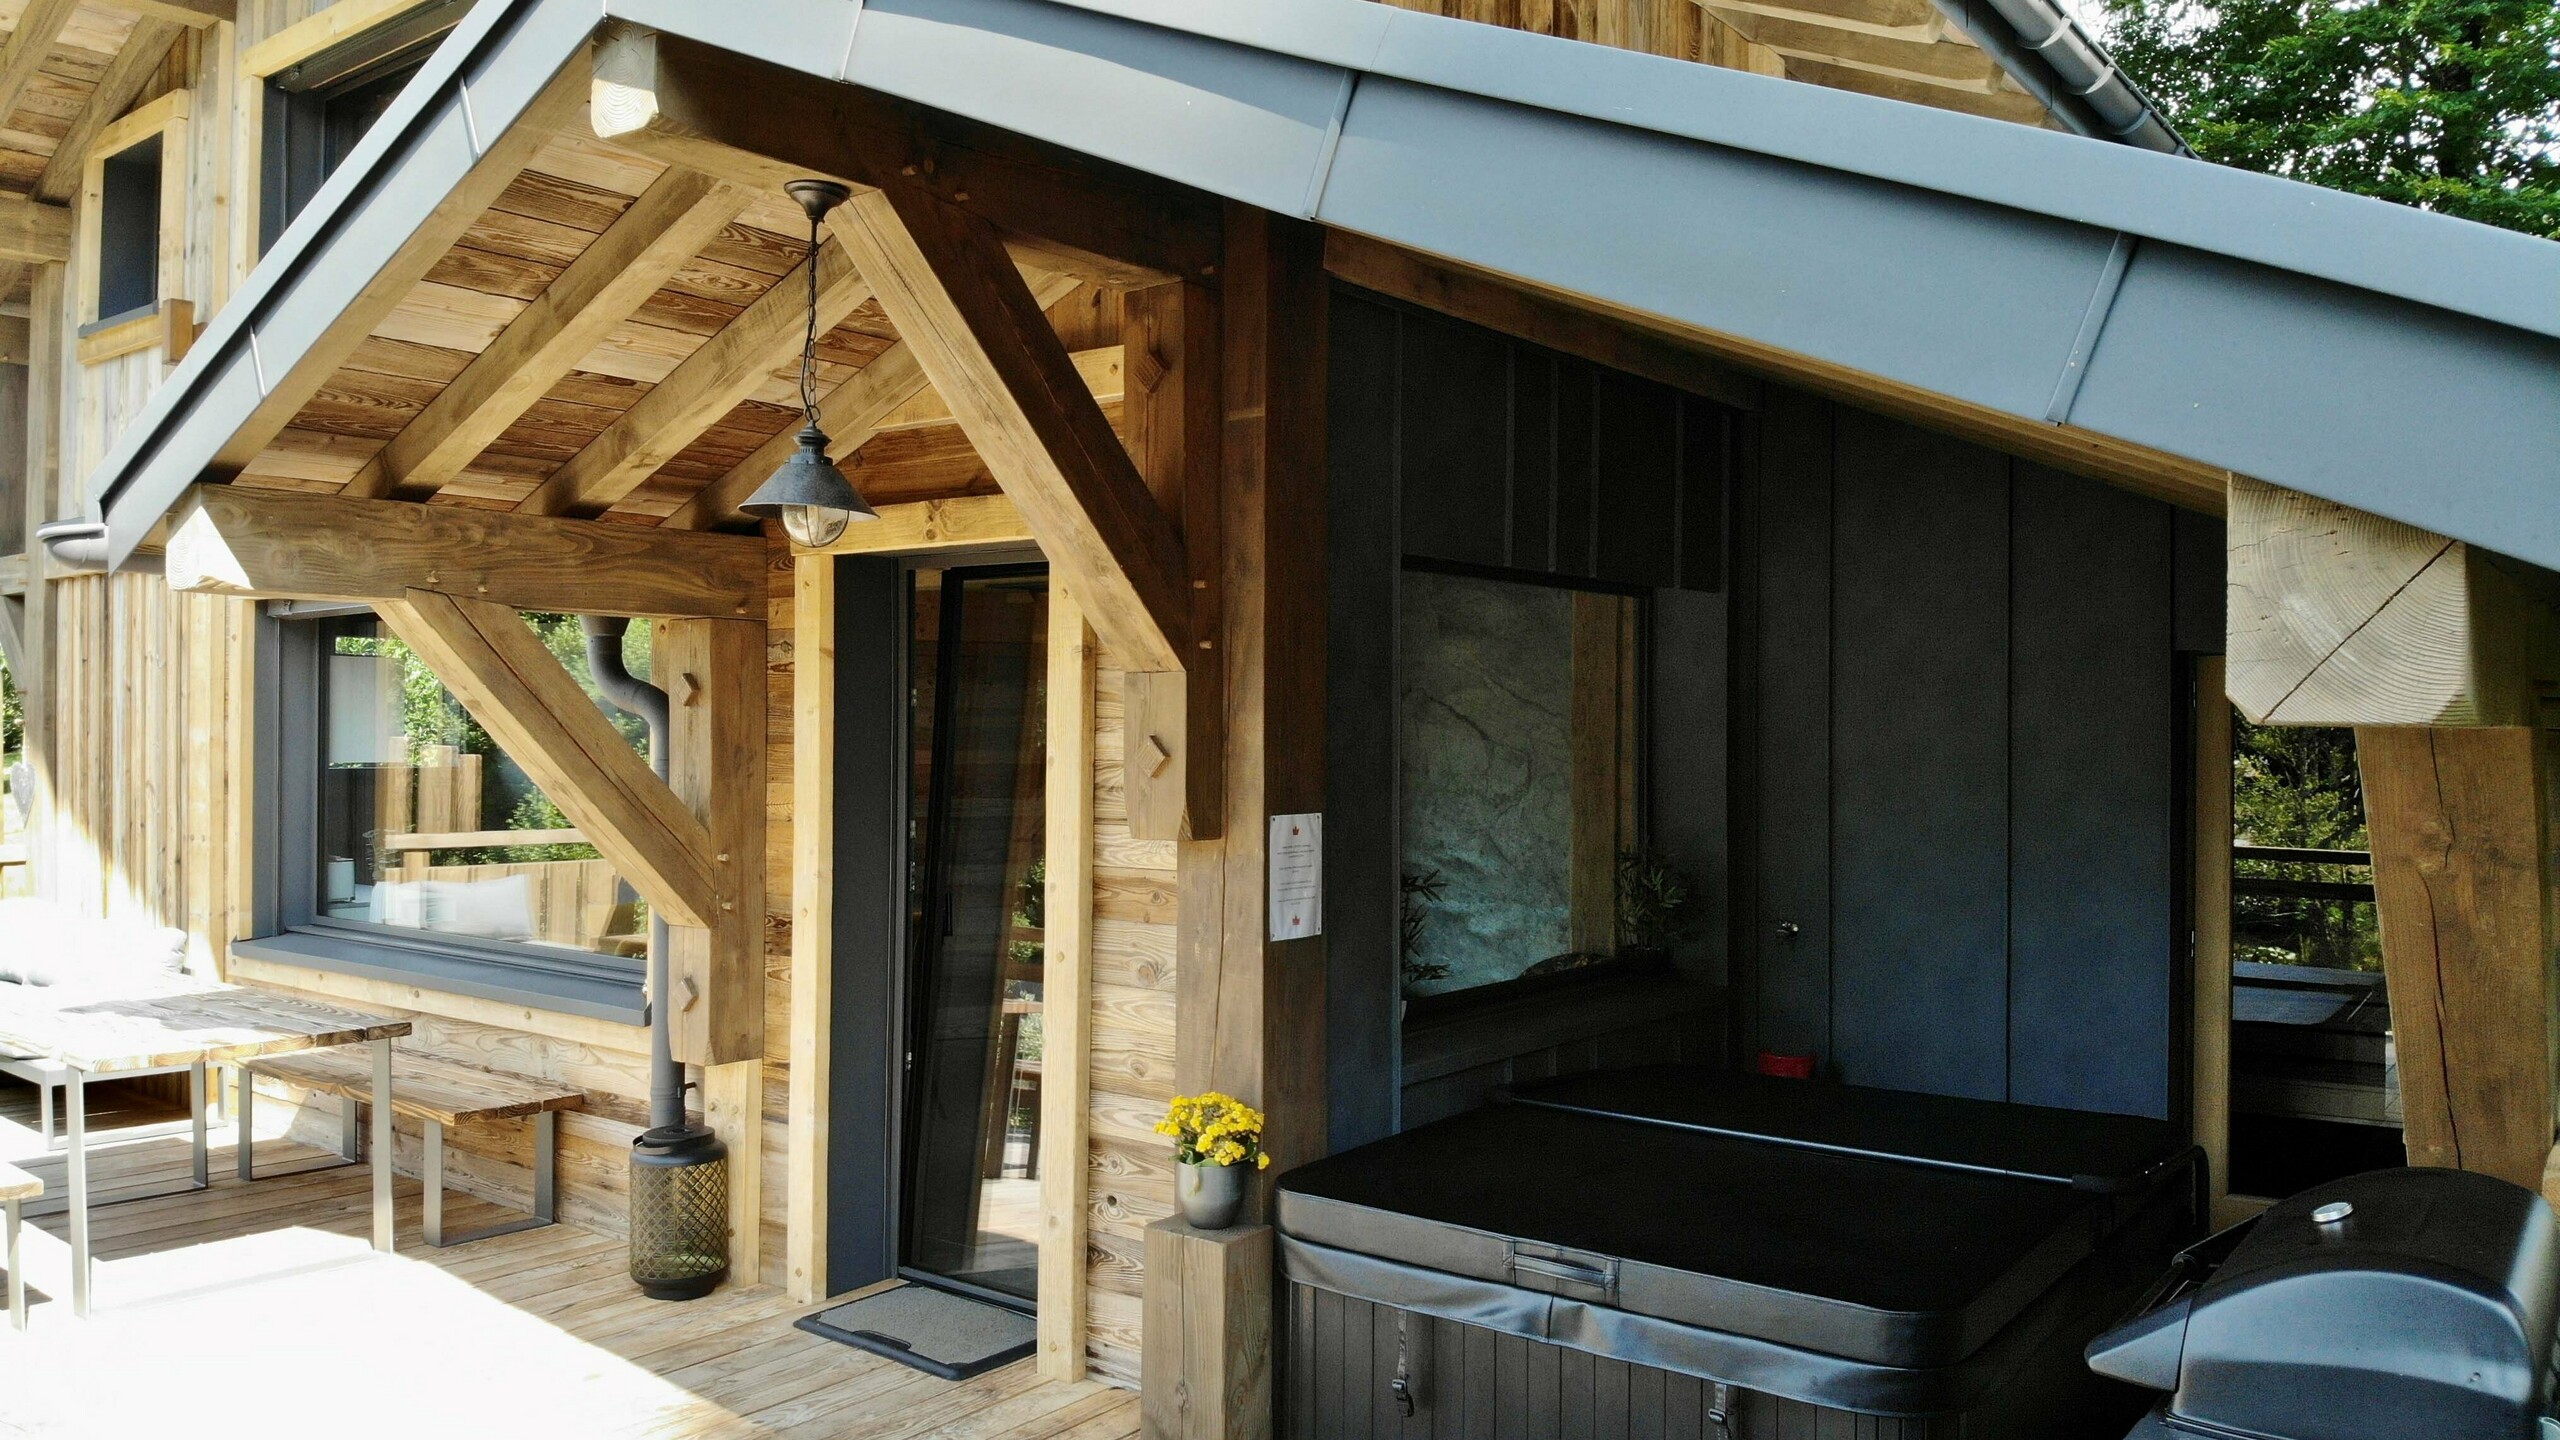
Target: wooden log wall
[[1130, 1182]]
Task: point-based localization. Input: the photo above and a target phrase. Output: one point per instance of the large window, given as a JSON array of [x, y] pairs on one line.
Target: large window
[[1521, 777], [410, 833], [318, 108]]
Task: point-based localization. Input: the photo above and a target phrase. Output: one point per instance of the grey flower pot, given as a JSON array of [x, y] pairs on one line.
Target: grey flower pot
[[1210, 1194]]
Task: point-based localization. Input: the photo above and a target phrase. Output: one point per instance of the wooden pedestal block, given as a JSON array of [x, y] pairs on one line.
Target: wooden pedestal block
[[1206, 1372]]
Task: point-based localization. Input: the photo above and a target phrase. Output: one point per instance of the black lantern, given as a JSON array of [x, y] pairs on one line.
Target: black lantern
[[809, 495]]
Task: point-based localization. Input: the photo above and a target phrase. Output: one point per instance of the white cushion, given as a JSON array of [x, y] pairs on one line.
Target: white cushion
[[499, 909], [44, 943]]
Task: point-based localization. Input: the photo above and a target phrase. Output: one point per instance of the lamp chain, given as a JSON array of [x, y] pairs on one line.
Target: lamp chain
[[809, 343]]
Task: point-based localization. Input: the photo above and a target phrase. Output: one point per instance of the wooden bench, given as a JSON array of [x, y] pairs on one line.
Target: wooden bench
[[439, 1094], [17, 1187]]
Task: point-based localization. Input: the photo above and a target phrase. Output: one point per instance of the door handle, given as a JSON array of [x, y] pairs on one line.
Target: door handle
[[1788, 929]]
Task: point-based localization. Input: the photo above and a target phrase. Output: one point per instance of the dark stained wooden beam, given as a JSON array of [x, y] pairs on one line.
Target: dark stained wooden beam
[[699, 105], [945, 281]]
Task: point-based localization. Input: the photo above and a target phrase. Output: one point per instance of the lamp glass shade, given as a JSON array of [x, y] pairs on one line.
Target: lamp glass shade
[[809, 495]]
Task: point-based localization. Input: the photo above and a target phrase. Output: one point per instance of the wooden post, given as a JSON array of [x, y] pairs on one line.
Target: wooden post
[[2211, 891], [813, 914], [2462, 868], [1206, 1373], [1066, 1121], [714, 674], [1250, 1011]]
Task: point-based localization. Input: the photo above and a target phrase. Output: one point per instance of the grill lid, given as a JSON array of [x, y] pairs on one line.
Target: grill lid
[[2400, 1303]]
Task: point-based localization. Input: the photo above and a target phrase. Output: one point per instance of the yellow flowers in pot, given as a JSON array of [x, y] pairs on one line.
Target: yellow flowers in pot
[[1214, 1129]]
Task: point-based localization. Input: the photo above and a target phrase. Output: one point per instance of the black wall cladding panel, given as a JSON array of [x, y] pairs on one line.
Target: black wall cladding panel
[[1636, 440], [1361, 859], [1919, 754], [1575, 469], [2091, 803], [2197, 544], [1453, 386], [1707, 441], [1533, 460], [1789, 943]]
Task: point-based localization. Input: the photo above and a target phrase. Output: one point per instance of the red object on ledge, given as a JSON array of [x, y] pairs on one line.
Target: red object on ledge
[[1786, 1067]]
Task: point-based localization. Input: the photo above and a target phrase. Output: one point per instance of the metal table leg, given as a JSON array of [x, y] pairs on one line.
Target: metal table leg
[[195, 1104], [75, 1099], [382, 1146], [17, 1273], [546, 1189]]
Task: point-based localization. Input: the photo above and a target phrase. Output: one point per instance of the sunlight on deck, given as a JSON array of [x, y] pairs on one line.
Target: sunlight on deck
[[260, 1310]]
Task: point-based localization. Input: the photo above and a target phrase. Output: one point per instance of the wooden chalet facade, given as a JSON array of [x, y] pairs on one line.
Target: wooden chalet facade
[[531, 342]]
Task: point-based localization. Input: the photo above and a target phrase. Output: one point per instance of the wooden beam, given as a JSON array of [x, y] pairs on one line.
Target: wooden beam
[[2460, 830], [695, 104], [501, 672], [738, 358], [946, 283], [916, 526], [733, 1106], [1205, 1371], [34, 232], [1252, 1009], [2340, 617], [813, 918], [188, 14], [280, 544], [2211, 892], [1173, 418], [341, 20], [678, 214], [1100, 367], [1066, 1122], [714, 674], [850, 414], [135, 66], [30, 44], [1401, 274], [503, 159]]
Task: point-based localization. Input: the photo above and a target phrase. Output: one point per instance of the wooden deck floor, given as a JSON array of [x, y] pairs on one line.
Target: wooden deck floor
[[260, 1310]]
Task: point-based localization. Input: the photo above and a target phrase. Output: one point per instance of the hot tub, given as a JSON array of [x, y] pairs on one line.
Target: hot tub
[[1682, 1252]]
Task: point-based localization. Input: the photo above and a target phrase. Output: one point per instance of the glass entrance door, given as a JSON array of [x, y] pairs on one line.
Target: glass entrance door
[[970, 1184]]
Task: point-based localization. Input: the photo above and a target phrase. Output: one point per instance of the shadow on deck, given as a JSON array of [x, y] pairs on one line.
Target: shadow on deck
[[260, 1309]]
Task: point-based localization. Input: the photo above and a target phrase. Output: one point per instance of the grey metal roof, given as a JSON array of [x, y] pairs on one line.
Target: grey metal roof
[[2398, 361]]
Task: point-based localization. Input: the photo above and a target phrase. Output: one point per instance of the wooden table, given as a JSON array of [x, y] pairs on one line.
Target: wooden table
[[183, 1023]]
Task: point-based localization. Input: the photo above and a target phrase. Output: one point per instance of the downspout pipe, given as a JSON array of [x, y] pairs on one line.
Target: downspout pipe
[[2046, 51], [635, 696], [81, 545]]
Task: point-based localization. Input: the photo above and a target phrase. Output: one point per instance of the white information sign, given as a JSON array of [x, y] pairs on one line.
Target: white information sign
[[1297, 876]]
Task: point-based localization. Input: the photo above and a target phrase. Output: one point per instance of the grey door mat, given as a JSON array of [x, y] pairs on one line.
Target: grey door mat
[[940, 1333]]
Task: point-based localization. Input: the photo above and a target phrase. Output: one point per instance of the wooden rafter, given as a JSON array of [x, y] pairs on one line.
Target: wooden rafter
[[39, 26], [283, 544], [695, 104], [729, 367], [495, 169], [515, 687], [851, 414], [33, 233], [945, 281], [193, 14], [671, 221], [134, 67]]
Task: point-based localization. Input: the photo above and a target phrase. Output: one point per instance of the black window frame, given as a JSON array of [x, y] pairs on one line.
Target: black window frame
[[129, 222], [317, 109], [285, 915]]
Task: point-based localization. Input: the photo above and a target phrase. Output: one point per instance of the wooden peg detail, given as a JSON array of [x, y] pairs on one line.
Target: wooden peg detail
[[1152, 733]]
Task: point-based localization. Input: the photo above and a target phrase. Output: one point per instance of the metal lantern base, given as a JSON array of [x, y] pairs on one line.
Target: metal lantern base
[[679, 1212]]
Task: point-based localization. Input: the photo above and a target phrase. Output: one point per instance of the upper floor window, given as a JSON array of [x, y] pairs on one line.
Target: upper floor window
[[132, 245], [319, 106]]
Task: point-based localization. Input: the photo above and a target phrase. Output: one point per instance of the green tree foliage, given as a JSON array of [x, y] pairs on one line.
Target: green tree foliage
[[13, 714], [2452, 105], [2298, 788]]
